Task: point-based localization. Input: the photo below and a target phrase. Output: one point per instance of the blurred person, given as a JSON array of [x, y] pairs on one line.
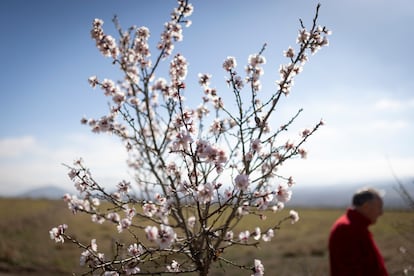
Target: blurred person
[[352, 249]]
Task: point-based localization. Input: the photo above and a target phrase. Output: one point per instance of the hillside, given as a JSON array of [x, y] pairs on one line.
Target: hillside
[[298, 249]]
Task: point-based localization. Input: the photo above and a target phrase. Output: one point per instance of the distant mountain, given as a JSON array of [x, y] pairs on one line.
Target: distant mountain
[[46, 192]]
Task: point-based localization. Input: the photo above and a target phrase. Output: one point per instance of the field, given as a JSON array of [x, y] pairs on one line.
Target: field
[[299, 249]]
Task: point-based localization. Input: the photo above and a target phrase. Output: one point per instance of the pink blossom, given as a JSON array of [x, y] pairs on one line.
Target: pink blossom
[[173, 267], [278, 206], [135, 250], [95, 201], [151, 233], [218, 102], [161, 85], [248, 156], [94, 245], [285, 86], [116, 196], [185, 9], [322, 122], [303, 36], [258, 268], [283, 193], [202, 111], [204, 79], [229, 63], [294, 216], [290, 181], [191, 221], [244, 236], [242, 182], [160, 199], [229, 236], [238, 82], [267, 237], [124, 187], [91, 255], [228, 193], [216, 126], [178, 68], [108, 86], [257, 234], [76, 204], [182, 141], [118, 97], [84, 121], [132, 270], [56, 233], [304, 58], [256, 145], [124, 224], [130, 212], [263, 199], [256, 59], [67, 197], [205, 192], [290, 53], [134, 101], [93, 81], [149, 209], [166, 236], [289, 145], [84, 257], [114, 217], [305, 132], [73, 173], [244, 209], [98, 218], [143, 32], [105, 43], [303, 153]]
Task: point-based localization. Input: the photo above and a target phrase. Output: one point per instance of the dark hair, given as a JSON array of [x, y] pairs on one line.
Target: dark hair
[[364, 195]]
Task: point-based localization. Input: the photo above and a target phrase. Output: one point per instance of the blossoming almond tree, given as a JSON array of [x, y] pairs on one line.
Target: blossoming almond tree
[[199, 171]]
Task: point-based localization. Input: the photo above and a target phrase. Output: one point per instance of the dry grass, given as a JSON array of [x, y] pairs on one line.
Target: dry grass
[[300, 249]]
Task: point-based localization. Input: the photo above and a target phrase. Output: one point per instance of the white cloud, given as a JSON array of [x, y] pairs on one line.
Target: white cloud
[[28, 163], [389, 125], [387, 104], [393, 104], [347, 170], [15, 147]]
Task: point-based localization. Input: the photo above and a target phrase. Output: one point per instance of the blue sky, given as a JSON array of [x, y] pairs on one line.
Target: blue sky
[[361, 85]]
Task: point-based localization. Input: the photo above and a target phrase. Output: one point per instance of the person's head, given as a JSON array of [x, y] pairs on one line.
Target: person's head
[[369, 203]]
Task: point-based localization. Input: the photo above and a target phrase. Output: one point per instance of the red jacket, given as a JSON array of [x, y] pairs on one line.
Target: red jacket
[[352, 250]]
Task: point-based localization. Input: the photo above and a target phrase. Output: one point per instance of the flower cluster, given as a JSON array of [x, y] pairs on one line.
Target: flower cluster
[[56, 233], [163, 236], [211, 154], [76, 204], [172, 29], [105, 43], [254, 71], [91, 256], [313, 41], [178, 72], [210, 96], [199, 174], [258, 268], [173, 267]]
